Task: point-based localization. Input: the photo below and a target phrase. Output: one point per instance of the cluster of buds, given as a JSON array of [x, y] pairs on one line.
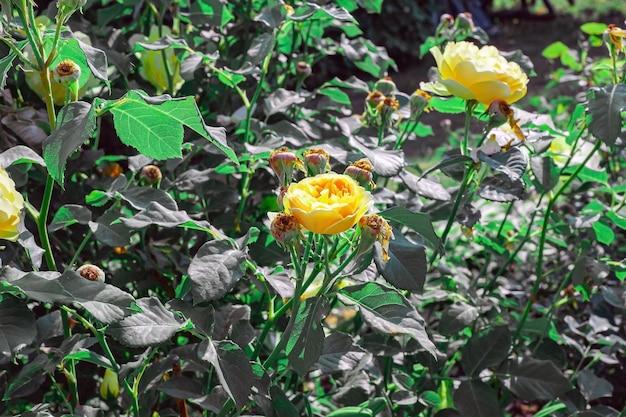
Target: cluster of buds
[[450, 28], [381, 106], [66, 8], [284, 162]]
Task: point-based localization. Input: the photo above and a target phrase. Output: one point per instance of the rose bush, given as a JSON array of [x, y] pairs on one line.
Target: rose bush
[[11, 204], [480, 74], [327, 203]]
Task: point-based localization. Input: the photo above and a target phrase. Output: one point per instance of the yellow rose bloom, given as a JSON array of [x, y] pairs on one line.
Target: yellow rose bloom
[[480, 74], [11, 204], [327, 203]]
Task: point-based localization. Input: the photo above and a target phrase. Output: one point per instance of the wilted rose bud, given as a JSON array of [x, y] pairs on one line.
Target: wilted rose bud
[[499, 113], [67, 73], [283, 162], [445, 22], [316, 161], [110, 387], [386, 86], [375, 98], [614, 38], [91, 272], [361, 171], [303, 69], [464, 22], [285, 229], [151, 174], [120, 250], [419, 102], [112, 169], [374, 229]]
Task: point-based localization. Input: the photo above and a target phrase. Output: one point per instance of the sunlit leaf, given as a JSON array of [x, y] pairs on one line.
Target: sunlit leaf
[[513, 162], [154, 125], [501, 188], [387, 311]]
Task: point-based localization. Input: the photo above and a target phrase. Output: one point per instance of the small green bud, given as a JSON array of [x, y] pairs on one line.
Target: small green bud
[[386, 86], [316, 161]]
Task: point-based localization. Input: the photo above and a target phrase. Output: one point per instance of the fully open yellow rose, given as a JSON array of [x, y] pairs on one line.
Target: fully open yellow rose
[[11, 204], [327, 203], [480, 74]]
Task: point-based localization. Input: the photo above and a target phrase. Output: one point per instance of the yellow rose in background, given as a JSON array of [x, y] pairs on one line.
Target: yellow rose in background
[[153, 63], [327, 203], [11, 205], [480, 74]]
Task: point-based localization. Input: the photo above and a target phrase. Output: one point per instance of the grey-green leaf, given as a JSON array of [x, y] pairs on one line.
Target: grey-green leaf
[[485, 350], [406, 267], [76, 124], [154, 325], [17, 326], [605, 106], [387, 311], [306, 336], [214, 270], [533, 379], [477, 399]]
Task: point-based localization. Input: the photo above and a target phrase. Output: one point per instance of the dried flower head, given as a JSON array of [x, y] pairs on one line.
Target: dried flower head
[[67, 73], [151, 173], [91, 272], [361, 171], [303, 69], [285, 229], [375, 229]]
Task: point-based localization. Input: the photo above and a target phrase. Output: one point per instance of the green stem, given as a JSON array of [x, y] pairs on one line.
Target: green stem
[[80, 248], [542, 240], [26, 22]]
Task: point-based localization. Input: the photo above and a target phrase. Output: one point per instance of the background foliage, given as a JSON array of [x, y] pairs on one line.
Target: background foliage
[[502, 296]]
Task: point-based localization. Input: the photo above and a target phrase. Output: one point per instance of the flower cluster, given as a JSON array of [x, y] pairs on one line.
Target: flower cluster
[[323, 202], [381, 106]]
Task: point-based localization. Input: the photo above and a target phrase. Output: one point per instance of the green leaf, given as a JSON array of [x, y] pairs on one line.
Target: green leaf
[[20, 154], [604, 233], [477, 399], [17, 326], [406, 266], [545, 171], [588, 174], [387, 311], [533, 379], [76, 123], [418, 222], [91, 357], [449, 105], [386, 163], [232, 367], [68, 215], [154, 213], [214, 270], [108, 230], [555, 50], [594, 28], [261, 46], [457, 317], [6, 64], [485, 350], [281, 404], [605, 106], [336, 95], [152, 326], [371, 6], [306, 336], [593, 387], [154, 125]]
